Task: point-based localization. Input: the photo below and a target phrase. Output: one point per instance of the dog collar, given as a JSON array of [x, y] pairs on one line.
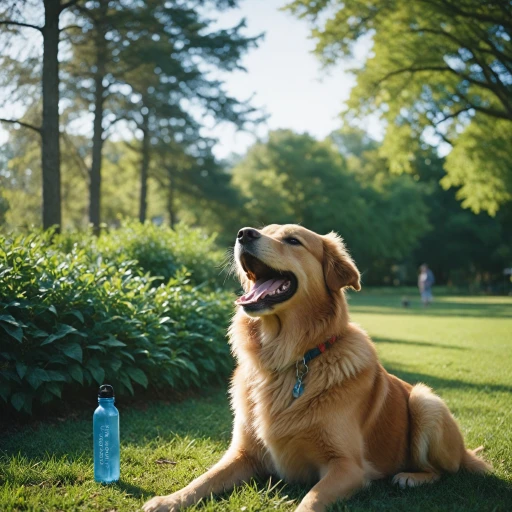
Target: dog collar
[[302, 365]]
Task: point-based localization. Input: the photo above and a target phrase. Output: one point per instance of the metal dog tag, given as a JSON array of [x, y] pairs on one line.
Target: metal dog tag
[[298, 389]]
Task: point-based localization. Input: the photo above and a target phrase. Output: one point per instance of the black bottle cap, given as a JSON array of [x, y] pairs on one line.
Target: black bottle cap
[[106, 391]]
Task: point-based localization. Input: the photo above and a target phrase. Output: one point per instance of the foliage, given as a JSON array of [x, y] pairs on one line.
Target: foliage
[[481, 165], [150, 65], [434, 68], [462, 248], [294, 178], [442, 347], [70, 319], [163, 251]]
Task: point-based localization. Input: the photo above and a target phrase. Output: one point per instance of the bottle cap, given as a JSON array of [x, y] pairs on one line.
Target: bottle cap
[[106, 391]]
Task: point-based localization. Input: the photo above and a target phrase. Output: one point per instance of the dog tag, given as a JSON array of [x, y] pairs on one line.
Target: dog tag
[[298, 389]]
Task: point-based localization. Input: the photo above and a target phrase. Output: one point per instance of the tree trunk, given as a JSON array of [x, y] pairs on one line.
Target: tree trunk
[[144, 170], [170, 199], [97, 137], [50, 153]]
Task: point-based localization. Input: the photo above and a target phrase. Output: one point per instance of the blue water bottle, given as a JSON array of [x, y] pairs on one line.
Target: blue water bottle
[[106, 437]]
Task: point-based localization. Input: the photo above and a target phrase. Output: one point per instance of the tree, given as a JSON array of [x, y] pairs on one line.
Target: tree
[[169, 85], [12, 18], [438, 70], [462, 247], [149, 63], [295, 178], [459, 246]]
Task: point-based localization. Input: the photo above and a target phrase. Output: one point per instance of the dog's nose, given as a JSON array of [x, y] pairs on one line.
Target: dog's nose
[[247, 235]]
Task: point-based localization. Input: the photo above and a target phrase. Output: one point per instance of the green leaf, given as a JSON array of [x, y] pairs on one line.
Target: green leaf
[[97, 372], [11, 327], [58, 359], [95, 347], [76, 372], [18, 401], [9, 319], [5, 390], [46, 397], [62, 331], [53, 388], [55, 376], [139, 376], [115, 364], [73, 351], [127, 383], [21, 369], [36, 377], [37, 333], [128, 355], [77, 314], [27, 404], [112, 342]]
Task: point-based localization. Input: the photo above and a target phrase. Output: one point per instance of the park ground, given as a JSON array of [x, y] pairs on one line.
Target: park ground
[[461, 346]]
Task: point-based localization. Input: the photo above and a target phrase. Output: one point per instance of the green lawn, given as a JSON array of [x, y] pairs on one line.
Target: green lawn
[[461, 346]]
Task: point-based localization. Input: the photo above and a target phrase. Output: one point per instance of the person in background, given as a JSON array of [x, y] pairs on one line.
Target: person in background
[[425, 283]]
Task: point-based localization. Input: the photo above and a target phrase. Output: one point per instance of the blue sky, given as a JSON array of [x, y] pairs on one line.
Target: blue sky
[[287, 80]]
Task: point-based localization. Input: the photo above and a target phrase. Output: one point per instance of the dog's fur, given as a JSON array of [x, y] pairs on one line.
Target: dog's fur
[[354, 423]]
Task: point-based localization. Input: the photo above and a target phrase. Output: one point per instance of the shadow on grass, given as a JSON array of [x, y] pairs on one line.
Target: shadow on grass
[[462, 492], [441, 383], [380, 339], [387, 306], [131, 489]]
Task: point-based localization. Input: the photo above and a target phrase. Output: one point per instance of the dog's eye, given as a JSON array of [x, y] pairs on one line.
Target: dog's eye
[[292, 241]]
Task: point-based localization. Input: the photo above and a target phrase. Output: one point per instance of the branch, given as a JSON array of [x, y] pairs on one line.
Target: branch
[[443, 136], [71, 26], [131, 146], [114, 122], [77, 157], [452, 115], [500, 114], [70, 3], [413, 70], [21, 123], [20, 24], [480, 37], [485, 85], [472, 15]]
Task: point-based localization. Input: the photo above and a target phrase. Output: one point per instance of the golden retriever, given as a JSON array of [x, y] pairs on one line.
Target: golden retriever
[[312, 403]]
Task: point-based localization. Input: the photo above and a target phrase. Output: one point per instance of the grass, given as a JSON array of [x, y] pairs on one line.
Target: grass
[[461, 346]]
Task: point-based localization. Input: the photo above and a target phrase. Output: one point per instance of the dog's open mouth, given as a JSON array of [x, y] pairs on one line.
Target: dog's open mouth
[[269, 287]]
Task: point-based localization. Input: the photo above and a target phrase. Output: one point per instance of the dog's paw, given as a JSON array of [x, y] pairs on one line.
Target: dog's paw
[[161, 504], [404, 480]]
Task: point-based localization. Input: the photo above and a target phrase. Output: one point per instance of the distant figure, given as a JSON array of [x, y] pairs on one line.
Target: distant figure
[[425, 282], [406, 302]]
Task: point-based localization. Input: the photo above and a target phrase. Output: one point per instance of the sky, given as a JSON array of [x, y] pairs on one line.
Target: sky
[[286, 79]]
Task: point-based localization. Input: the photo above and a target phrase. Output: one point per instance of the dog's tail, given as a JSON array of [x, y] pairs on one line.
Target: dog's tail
[[437, 442], [474, 464]]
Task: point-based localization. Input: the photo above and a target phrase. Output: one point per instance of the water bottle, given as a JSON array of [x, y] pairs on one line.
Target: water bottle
[[106, 437]]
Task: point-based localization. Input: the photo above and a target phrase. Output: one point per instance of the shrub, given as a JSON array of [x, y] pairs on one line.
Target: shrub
[[73, 319], [159, 250]]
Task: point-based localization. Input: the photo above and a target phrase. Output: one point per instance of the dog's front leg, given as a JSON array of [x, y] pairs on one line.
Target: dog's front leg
[[342, 477], [235, 467]]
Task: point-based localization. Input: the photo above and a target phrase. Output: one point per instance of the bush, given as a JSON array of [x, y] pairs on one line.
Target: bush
[[157, 249], [71, 319]]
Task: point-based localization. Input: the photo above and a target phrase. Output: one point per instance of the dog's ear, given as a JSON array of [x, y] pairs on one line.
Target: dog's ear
[[339, 268]]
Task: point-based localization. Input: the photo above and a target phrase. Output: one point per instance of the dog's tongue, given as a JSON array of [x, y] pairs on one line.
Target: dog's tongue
[[260, 288]]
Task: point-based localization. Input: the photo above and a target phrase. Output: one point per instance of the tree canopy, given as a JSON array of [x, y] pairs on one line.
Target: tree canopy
[[295, 178], [438, 71]]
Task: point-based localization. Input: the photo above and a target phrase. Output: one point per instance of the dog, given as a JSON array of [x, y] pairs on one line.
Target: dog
[[312, 403]]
